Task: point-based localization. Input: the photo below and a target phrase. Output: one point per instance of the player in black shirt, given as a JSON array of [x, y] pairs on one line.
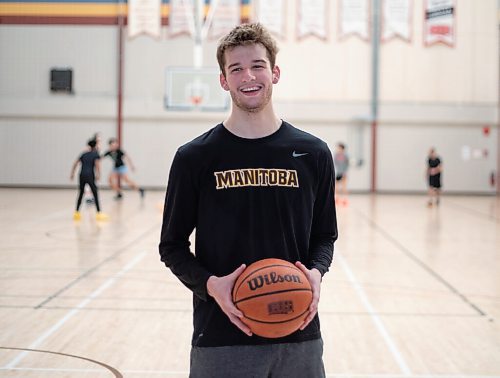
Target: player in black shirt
[[434, 169], [120, 170], [89, 173], [253, 187]]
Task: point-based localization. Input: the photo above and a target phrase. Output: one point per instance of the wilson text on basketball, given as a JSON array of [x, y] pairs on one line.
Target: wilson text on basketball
[[271, 279]]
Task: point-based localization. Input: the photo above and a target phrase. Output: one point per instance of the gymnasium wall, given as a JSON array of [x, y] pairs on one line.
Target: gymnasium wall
[[429, 96]]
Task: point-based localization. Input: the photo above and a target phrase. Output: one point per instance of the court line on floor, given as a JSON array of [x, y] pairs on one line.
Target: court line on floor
[[375, 318], [109, 368], [109, 282], [421, 263], [93, 269], [475, 212]]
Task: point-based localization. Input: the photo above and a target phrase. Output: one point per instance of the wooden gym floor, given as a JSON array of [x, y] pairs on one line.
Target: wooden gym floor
[[413, 292]]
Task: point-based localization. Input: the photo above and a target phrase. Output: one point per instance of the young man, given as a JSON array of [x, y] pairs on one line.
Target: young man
[[120, 169], [89, 173], [253, 187]]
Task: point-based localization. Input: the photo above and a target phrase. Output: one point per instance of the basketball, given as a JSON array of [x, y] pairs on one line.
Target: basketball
[[274, 296]]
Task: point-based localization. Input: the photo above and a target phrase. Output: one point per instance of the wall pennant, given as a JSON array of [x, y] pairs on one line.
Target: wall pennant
[[354, 18], [272, 14], [312, 19], [439, 22], [181, 17], [144, 17], [397, 19]]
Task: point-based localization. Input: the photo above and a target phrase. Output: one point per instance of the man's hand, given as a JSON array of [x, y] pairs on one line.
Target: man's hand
[[314, 277], [220, 289]]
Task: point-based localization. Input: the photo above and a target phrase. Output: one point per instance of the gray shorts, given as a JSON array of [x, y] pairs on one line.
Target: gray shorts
[[291, 360]]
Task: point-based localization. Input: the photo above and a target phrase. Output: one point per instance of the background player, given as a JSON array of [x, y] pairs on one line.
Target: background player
[[434, 169], [89, 173], [341, 162], [88, 196], [120, 170]]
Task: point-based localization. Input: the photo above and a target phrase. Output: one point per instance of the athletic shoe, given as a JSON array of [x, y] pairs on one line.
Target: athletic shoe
[[101, 216], [77, 215], [118, 196], [141, 192]]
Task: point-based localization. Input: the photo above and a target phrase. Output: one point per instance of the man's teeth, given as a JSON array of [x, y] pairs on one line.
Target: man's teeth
[[250, 89]]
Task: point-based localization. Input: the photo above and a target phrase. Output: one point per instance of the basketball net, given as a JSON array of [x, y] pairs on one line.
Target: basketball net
[[196, 100], [196, 92]]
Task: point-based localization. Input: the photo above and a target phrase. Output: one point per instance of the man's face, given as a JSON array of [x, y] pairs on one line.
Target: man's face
[[249, 77]]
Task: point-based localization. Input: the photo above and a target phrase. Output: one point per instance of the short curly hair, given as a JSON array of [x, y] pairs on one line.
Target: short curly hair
[[243, 35]]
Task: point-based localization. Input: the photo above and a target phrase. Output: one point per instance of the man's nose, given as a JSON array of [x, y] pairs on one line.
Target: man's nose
[[248, 75]]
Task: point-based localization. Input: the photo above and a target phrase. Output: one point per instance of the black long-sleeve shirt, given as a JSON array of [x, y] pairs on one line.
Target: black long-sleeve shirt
[[248, 199]]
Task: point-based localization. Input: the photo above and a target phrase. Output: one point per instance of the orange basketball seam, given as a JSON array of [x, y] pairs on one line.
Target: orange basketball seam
[[235, 289], [279, 321], [270, 293]]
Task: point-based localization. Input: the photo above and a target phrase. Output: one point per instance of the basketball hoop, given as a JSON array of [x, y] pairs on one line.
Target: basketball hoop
[[196, 87], [190, 88]]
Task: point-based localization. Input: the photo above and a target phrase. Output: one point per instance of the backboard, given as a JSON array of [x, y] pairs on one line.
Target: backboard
[[190, 88]]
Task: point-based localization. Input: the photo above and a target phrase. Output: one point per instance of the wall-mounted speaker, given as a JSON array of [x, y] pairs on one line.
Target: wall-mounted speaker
[[61, 80]]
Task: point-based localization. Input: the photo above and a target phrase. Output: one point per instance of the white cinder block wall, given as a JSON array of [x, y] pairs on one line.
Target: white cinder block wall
[[429, 96]]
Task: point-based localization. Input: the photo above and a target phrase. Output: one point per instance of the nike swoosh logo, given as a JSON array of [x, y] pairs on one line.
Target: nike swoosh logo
[[296, 154]]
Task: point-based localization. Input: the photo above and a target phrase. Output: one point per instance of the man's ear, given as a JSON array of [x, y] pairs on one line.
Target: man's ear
[[276, 74], [223, 82]]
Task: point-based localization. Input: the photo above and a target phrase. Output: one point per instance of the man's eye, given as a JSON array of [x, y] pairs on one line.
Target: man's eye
[[236, 69]]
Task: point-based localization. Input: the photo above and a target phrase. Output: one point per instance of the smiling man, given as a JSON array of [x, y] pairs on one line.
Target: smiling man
[[253, 187]]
